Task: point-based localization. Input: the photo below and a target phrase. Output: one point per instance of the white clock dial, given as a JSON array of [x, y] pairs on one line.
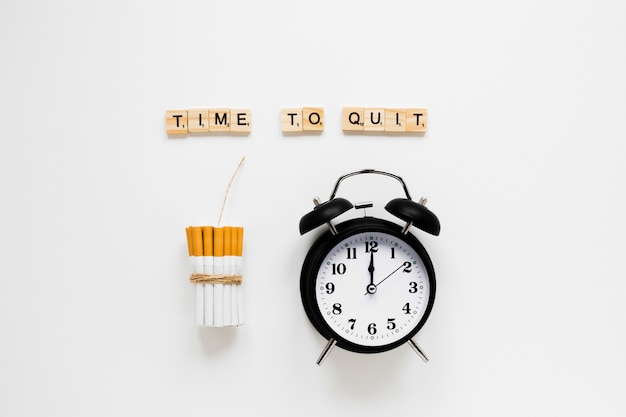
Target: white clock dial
[[372, 289]]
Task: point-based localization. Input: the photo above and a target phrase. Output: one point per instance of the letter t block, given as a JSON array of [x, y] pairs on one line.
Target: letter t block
[[176, 122], [291, 120], [416, 120]]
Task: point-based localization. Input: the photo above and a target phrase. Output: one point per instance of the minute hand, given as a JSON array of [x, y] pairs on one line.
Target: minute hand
[[394, 271]]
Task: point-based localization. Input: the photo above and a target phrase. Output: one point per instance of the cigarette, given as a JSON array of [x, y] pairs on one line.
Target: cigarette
[[195, 245], [236, 289], [239, 263], [218, 268], [207, 289], [228, 288]]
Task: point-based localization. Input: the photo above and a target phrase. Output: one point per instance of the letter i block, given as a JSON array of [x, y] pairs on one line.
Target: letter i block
[[198, 120], [395, 120], [374, 120], [219, 120], [176, 122], [240, 120], [416, 120], [352, 119], [312, 119], [291, 120]]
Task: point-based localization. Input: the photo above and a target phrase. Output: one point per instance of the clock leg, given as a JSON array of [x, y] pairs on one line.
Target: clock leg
[[329, 346], [417, 350]]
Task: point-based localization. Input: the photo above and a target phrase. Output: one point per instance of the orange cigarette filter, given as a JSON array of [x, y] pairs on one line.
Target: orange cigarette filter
[[196, 237], [234, 241], [189, 241], [218, 241], [239, 241], [207, 240], [228, 238]]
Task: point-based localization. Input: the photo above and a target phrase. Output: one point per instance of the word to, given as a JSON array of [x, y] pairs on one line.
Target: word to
[[305, 119]]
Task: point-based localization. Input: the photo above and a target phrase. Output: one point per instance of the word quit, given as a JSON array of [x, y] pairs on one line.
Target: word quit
[[358, 119]]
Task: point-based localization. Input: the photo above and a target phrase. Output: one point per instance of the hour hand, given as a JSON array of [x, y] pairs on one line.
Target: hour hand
[[371, 287]]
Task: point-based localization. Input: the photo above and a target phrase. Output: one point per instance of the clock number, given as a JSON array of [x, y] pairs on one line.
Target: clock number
[[336, 308], [371, 329], [339, 269], [413, 288], [371, 247], [390, 324], [351, 253], [393, 253], [330, 288], [407, 267], [407, 309], [352, 321]]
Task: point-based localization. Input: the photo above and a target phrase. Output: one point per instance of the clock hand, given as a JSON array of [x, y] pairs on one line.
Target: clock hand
[[375, 286], [371, 288]]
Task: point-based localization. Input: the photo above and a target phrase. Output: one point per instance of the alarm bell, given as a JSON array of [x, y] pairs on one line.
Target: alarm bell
[[413, 213], [324, 213]]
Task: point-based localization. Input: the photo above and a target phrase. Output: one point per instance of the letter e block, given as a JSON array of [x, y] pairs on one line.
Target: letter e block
[[416, 120], [198, 120], [312, 119], [374, 120], [176, 122], [291, 120], [352, 119], [395, 120], [219, 120], [240, 120]]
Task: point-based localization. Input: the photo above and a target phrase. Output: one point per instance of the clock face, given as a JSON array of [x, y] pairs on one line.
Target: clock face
[[369, 287]]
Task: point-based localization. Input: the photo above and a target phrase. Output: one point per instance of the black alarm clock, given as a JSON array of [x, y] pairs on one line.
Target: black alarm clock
[[367, 284]]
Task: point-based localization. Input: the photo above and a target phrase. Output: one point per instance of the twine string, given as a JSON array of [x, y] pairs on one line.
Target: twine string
[[228, 189], [215, 279]]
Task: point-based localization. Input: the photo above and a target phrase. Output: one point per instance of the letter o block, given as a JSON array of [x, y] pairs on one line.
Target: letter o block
[[312, 119]]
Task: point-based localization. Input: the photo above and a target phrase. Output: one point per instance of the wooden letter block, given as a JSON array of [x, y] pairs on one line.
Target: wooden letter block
[[416, 120], [395, 120], [176, 122], [291, 120], [352, 119], [198, 120], [241, 120], [219, 120], [374, 120], [312, 119]]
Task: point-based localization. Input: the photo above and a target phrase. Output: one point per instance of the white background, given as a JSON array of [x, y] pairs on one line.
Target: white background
[[523, 162]]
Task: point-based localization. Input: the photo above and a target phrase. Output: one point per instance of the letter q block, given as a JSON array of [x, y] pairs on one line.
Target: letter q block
[[352, 119]]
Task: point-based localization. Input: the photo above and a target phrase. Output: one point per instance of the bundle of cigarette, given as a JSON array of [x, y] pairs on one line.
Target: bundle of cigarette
[[216, 259]]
